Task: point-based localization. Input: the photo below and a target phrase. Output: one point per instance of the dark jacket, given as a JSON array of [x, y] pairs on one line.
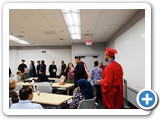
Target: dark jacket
[[42, 78], [52, 70], [79, 73], [43, 68], [21, 67]]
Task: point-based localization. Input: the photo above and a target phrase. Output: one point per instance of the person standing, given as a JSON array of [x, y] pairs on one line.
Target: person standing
[[53, 69], [70, 73], [96, 74], [79, 72], [22, 66], [43, 67], [32, 70], [63, 68], [101, 65], [85, 66], [112, 82], [38, 67]]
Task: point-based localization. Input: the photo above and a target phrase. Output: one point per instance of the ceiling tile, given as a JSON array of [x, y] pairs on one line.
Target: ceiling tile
[[50, 11], [87, 29], [55, 19], [37, 20], [28, 11], [91, 10], [33, 23], [102, 29], [89, 19]]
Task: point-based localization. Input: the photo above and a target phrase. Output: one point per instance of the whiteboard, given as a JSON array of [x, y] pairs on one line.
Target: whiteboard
[[131, 54]]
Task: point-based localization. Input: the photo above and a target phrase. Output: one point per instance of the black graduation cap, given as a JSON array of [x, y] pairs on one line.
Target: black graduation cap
[[32, 61]]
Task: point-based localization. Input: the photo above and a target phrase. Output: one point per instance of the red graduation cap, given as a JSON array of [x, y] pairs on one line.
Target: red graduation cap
[[111, 52]]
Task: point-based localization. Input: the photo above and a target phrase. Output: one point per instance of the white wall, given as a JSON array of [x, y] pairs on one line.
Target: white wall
[[131, 54], [16, 54]]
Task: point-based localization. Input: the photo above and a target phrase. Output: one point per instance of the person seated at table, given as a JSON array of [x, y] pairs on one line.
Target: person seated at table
[[12, 94], [25, 75], [85, 92], [17, 77], [26, 95], [42, 77]]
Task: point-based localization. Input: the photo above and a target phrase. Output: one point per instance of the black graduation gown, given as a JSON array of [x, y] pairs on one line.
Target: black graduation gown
[[38, 68], [79, 73], [52, 70], [21, 67], [42, 78], [43, 68]]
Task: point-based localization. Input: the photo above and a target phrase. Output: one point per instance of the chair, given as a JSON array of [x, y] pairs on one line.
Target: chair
[[125, 94], [88, 104], [60, 90], [75, 91], [18, 86], [44, 87], [10, 101]]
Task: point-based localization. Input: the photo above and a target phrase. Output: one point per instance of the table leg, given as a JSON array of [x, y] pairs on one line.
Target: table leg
[[67, 91]]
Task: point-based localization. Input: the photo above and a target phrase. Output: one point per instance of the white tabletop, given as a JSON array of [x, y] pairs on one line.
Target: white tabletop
[[50, 99], [67, 85]]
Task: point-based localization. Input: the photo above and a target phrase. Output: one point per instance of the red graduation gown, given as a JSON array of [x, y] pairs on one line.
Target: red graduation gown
[[112, 86]]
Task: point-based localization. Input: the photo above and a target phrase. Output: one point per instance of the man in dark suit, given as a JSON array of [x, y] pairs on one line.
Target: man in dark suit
[[38, 67], [43, 66], [22, 66]]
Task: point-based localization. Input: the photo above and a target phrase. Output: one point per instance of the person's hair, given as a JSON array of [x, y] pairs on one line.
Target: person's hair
[[96, 63], [62, 61], [24, 92], [113, 57], [38, 61], [41, 70], [18, 72], [42, 61], [70, 63], [11, 82], [77, 57]]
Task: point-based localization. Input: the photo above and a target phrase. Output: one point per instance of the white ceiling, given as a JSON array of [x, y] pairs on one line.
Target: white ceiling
[[45, 27]]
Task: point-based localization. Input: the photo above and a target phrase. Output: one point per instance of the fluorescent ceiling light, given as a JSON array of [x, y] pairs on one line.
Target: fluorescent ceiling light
[[76, 36], [68, 19], [75, 10], [71, 30], [13, 38], [77, 30], [76, 19], [22, 42], [74, 30], [72, 19], [70, 10]]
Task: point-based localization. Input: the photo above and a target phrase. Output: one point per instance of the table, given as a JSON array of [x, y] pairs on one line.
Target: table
[[50, 99], [34, 85], [51, 79], [67, 86]]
